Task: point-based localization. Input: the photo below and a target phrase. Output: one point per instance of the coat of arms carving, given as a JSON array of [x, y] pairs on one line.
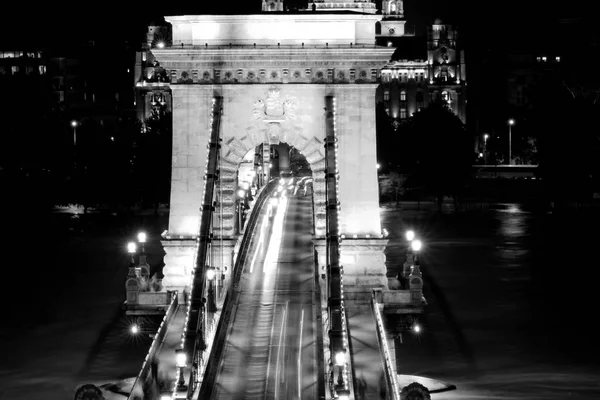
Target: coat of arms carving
[[275, 113]]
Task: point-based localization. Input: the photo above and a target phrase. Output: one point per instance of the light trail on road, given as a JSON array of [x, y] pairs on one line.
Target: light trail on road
[[269, 351]]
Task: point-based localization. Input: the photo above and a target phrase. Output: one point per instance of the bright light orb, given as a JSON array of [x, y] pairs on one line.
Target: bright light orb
[[241, 193], [160, 45], [142, 237], [417, 328], [180, 358], [210, 274], [134, 329], [416, 245], [511, 121], [74, 123], [340, 358], [131, 247], [410, 235]]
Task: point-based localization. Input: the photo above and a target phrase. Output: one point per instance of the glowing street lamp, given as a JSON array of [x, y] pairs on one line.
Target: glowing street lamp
[[210, 275], [143, 264], [133, 270], [343, 394], [511, 122], [416, 247], [142, 239], [131, 248], [410, 235], [340, 358], [74, 125], [180, 362]]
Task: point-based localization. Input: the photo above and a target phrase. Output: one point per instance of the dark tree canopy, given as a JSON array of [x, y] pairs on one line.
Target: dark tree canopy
[[441, 149], [569, 144]]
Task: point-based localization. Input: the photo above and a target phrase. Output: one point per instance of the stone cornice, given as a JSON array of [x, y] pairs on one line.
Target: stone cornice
[[267, 56], [209, 89], [268, 17]]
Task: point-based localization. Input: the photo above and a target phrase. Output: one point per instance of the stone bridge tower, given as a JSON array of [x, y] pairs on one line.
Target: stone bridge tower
[[274, 72]]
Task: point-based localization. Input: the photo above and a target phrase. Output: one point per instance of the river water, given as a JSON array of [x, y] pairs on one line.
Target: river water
[[511, 293], [511, 298]]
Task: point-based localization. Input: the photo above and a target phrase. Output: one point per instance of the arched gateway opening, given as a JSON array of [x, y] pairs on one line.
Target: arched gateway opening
[[270, 117]]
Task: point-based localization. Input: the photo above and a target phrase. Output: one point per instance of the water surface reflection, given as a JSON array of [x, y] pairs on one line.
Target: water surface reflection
[[511, 300]]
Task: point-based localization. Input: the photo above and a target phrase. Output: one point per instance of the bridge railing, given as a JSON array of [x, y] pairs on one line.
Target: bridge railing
[[339, 376], [388, 360], [145, 380], [195, 322]]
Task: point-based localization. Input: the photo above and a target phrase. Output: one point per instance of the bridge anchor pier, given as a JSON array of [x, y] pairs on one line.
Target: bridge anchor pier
[[364, 266]]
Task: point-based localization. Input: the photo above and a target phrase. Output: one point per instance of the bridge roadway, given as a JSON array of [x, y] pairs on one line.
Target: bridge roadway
[[270, 349]]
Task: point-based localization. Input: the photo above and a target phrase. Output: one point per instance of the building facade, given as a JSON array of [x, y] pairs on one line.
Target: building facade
[[423, 70]]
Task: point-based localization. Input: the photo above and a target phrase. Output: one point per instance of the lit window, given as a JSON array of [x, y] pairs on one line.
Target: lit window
[[403, 96], [15, 69], [445, 96], [403, 113], [557, 59], [544, 59], [386, 95], [539, 59]]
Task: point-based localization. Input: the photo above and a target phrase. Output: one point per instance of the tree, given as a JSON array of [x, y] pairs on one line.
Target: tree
[[443, 150], [152, 166], [568, 141]]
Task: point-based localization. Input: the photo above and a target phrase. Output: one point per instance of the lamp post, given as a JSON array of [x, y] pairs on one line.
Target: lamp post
[[74, 125], [142, 239], [181, 361], [410, 235], [131, 249], [416, 246], [143, 264], [511, 122], [210, 275]]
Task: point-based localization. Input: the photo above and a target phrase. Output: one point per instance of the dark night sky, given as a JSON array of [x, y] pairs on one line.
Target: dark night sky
[[482, 19]]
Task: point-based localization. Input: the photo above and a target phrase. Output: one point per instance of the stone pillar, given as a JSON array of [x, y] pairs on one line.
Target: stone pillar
[[192, 108], [358, 182], [364, 265], [179, 264]]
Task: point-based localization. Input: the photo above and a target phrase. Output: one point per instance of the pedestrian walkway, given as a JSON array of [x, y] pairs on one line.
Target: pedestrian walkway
[[366, 355]]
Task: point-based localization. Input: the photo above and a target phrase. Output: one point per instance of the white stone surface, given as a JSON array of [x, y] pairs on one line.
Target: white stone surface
[[308, 28]]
